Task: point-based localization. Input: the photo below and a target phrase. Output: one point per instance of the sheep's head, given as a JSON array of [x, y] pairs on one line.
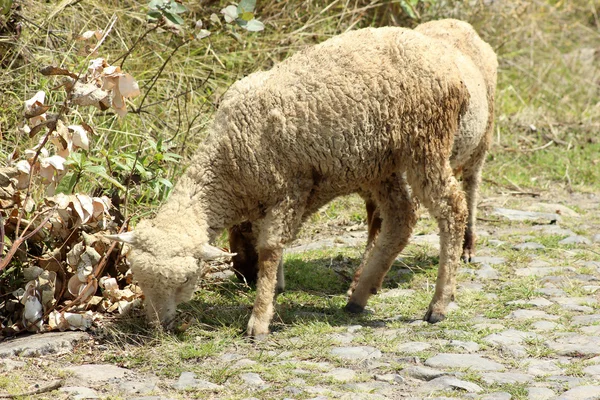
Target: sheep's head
[[166, 266]]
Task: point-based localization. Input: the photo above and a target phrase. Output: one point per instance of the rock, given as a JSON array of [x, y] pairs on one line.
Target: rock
[[585, 319], [489, 326], [487, 272], [98, 373], [253, 379], [228, 357], [79, 393], [243, 363], [412, 347], [41, 344], [497, 396], [188, 381], [389, 378], [545, 326], [423, 373], [553, 230], [517, 215], [510, 336], [542, 271], [341, 374], [576, 303], [537, 302], [553, 208], [10, 365], [470, 347], [354, 328], [581, 393], [488, 260], [551, 291], [593, 330], [531, 314], [576, 345], [593, 370], [342, 338], [455, 360], [505, 377], [450, 383], [575, 239], [138, 386], [356, 353], [528, 246], [596, 238], [540, 393], [542, 367]]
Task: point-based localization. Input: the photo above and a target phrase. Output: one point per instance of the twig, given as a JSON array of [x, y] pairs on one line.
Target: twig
[[1, 235], [550, 143], [159, 73], [42, 389], [139, 39]]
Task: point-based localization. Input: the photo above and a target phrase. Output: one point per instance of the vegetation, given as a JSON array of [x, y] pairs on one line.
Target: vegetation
[[183, 57]]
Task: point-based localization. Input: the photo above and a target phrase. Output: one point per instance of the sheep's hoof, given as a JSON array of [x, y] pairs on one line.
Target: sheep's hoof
[[434, 317], [354, 308]]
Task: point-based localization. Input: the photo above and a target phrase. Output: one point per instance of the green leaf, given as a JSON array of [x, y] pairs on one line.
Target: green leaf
[[171, 157], [165, 182], [247, 16], [254, 26], [100, 171], [154, 14], [5, 6], [174, 18], [408, 9], [67, 184], [246, 6], [177, 8], [156, 4]]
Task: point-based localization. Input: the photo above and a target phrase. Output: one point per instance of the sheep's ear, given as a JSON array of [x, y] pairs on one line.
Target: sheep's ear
[[127, 237], [208, 252]]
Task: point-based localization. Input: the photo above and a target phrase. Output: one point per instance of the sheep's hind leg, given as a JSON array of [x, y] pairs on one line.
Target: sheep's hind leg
[[471, 179], [446, 202], [398, 216]]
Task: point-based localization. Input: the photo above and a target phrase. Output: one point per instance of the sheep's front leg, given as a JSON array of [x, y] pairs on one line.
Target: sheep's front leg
[[263, 310]]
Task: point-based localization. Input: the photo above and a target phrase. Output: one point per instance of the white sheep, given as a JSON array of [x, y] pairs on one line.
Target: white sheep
[[355, 113], [463, 37]]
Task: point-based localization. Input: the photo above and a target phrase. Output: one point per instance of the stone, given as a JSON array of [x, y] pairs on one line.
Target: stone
[[576, 345], [545, 326], [253, 379], [596, 238], [539, 393], [576, 303], [542, 271], [528, 246], [575, 239], [531, 314], [98, 373], [341, 374], [554, 208], [469, 347], [451, 383], [487, 272], [10, 365], [243, 363], [517, 215], [79, 393], [591, 330], [228, 357], [551, 291], [488, 326], [488, 260], [509, 336], [497, 396], [581, 393], [342, 338], [538, 367], [455, 360], [505, 378], [138, 386], [593, 370], [553, 230], [354, 328], [412, 347], [390, 378], [41, 345], [188, 381], [356, 353], [423, 373], [585, 319]]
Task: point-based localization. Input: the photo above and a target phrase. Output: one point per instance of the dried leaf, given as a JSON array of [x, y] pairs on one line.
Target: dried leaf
[[24, 166], [91, 34], [88, 94], [128, 86], [87, 206], [230, 13], [51, 70], [79, 137]]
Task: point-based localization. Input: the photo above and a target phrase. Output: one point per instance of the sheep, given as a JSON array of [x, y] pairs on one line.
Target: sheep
[[463, 37], [373, 110]]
